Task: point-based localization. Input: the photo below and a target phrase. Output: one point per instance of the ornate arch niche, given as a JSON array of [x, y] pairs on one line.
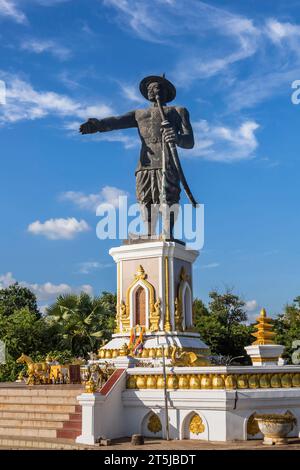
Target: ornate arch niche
[[184, 303], [140, 298]]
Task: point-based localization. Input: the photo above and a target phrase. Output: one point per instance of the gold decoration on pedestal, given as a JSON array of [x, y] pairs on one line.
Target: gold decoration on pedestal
[[124, 351], [167, 326], [90, 386], [195, 382], [218, 382], [286, 381], [145, 353], [160, 382], [155, 316], [183, 382], [196, 425], [131, 382], [253, 381], [252, 426], [242, 381], [264, 381], [139, 278], [264, 333], [151, 381], [118, 316], [172, 382], [206, 381], [125, 317], [230, 382], [275, 381], [154, 424], [141, 381], [211, 381], [178, 315], [187, 359], [296, 380]]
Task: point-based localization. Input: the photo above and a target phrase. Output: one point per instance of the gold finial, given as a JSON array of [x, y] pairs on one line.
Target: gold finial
[[264, 333], [140, 274]]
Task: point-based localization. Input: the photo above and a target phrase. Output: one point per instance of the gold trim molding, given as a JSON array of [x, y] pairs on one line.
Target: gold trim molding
[[214, 381]]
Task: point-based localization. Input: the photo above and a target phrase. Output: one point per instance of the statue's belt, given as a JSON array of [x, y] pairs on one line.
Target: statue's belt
[[152, 140]]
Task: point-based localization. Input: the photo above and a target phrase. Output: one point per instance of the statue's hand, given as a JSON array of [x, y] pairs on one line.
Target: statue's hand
[[169, 135], [89, 127]]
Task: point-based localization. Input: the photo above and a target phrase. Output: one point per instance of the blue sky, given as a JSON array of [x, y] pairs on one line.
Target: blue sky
[[233, 64]]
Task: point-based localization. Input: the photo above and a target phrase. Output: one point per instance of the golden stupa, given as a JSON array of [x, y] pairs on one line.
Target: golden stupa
[[264, 333]]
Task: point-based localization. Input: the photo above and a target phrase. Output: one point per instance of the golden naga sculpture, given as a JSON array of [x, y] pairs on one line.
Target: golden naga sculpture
[[187, 359], [264, 333], [37, 372]]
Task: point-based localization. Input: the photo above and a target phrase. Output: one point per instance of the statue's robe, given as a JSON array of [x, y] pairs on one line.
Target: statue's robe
[[149, 168]]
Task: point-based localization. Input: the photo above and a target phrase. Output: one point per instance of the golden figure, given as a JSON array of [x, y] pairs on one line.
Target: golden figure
[[37, 372], [125, 317], [155, 316], [187, 359]]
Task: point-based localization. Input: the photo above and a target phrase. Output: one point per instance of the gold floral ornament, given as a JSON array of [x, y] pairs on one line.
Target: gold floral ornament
[[196, 425], [154, 424], [264, 333]]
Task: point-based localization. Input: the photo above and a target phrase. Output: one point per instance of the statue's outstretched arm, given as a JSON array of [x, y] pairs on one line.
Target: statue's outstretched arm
[[109, 124], [185, 138]]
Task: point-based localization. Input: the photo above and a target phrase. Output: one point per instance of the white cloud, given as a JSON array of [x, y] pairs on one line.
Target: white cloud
[[278, 31], [131, 93], [58, 229], [107, 195], [47, 291], [191, 20], [39, 46], [224, 143], [23, 102], [9, 9], [210, 266], [251, 305], [88, 266], [6, 280]]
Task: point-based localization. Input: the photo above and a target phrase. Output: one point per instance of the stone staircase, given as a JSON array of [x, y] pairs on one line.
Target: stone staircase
[[39, 416]]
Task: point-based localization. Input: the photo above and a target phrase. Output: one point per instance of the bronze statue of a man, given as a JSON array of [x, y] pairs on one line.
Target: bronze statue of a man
[[158, 174]]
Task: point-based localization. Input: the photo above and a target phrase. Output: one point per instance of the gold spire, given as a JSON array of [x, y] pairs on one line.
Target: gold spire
[[264, 333]]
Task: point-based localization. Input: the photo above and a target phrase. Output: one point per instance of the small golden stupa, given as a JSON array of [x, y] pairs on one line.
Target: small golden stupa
[[264, 327]]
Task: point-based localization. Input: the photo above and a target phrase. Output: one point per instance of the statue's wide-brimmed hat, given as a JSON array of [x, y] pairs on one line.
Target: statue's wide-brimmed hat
[[170, 90]]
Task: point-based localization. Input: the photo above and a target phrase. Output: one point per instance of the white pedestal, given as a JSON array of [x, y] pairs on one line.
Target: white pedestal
[[264, 354]]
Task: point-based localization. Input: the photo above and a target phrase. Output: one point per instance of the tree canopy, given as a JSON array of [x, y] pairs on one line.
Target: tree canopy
[[222, 325]]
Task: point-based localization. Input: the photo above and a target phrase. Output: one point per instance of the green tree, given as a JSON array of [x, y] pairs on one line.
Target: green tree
[[23, 331], [83, 322], [16, 297], [287, 326], [222, 324]]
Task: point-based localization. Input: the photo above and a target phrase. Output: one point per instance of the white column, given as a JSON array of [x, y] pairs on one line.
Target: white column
[[91, 405]]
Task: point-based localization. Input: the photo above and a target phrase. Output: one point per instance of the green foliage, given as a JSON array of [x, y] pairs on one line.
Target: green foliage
[[83, 322], [221, 324], [16, 297], [73, 326], [287, 327]]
